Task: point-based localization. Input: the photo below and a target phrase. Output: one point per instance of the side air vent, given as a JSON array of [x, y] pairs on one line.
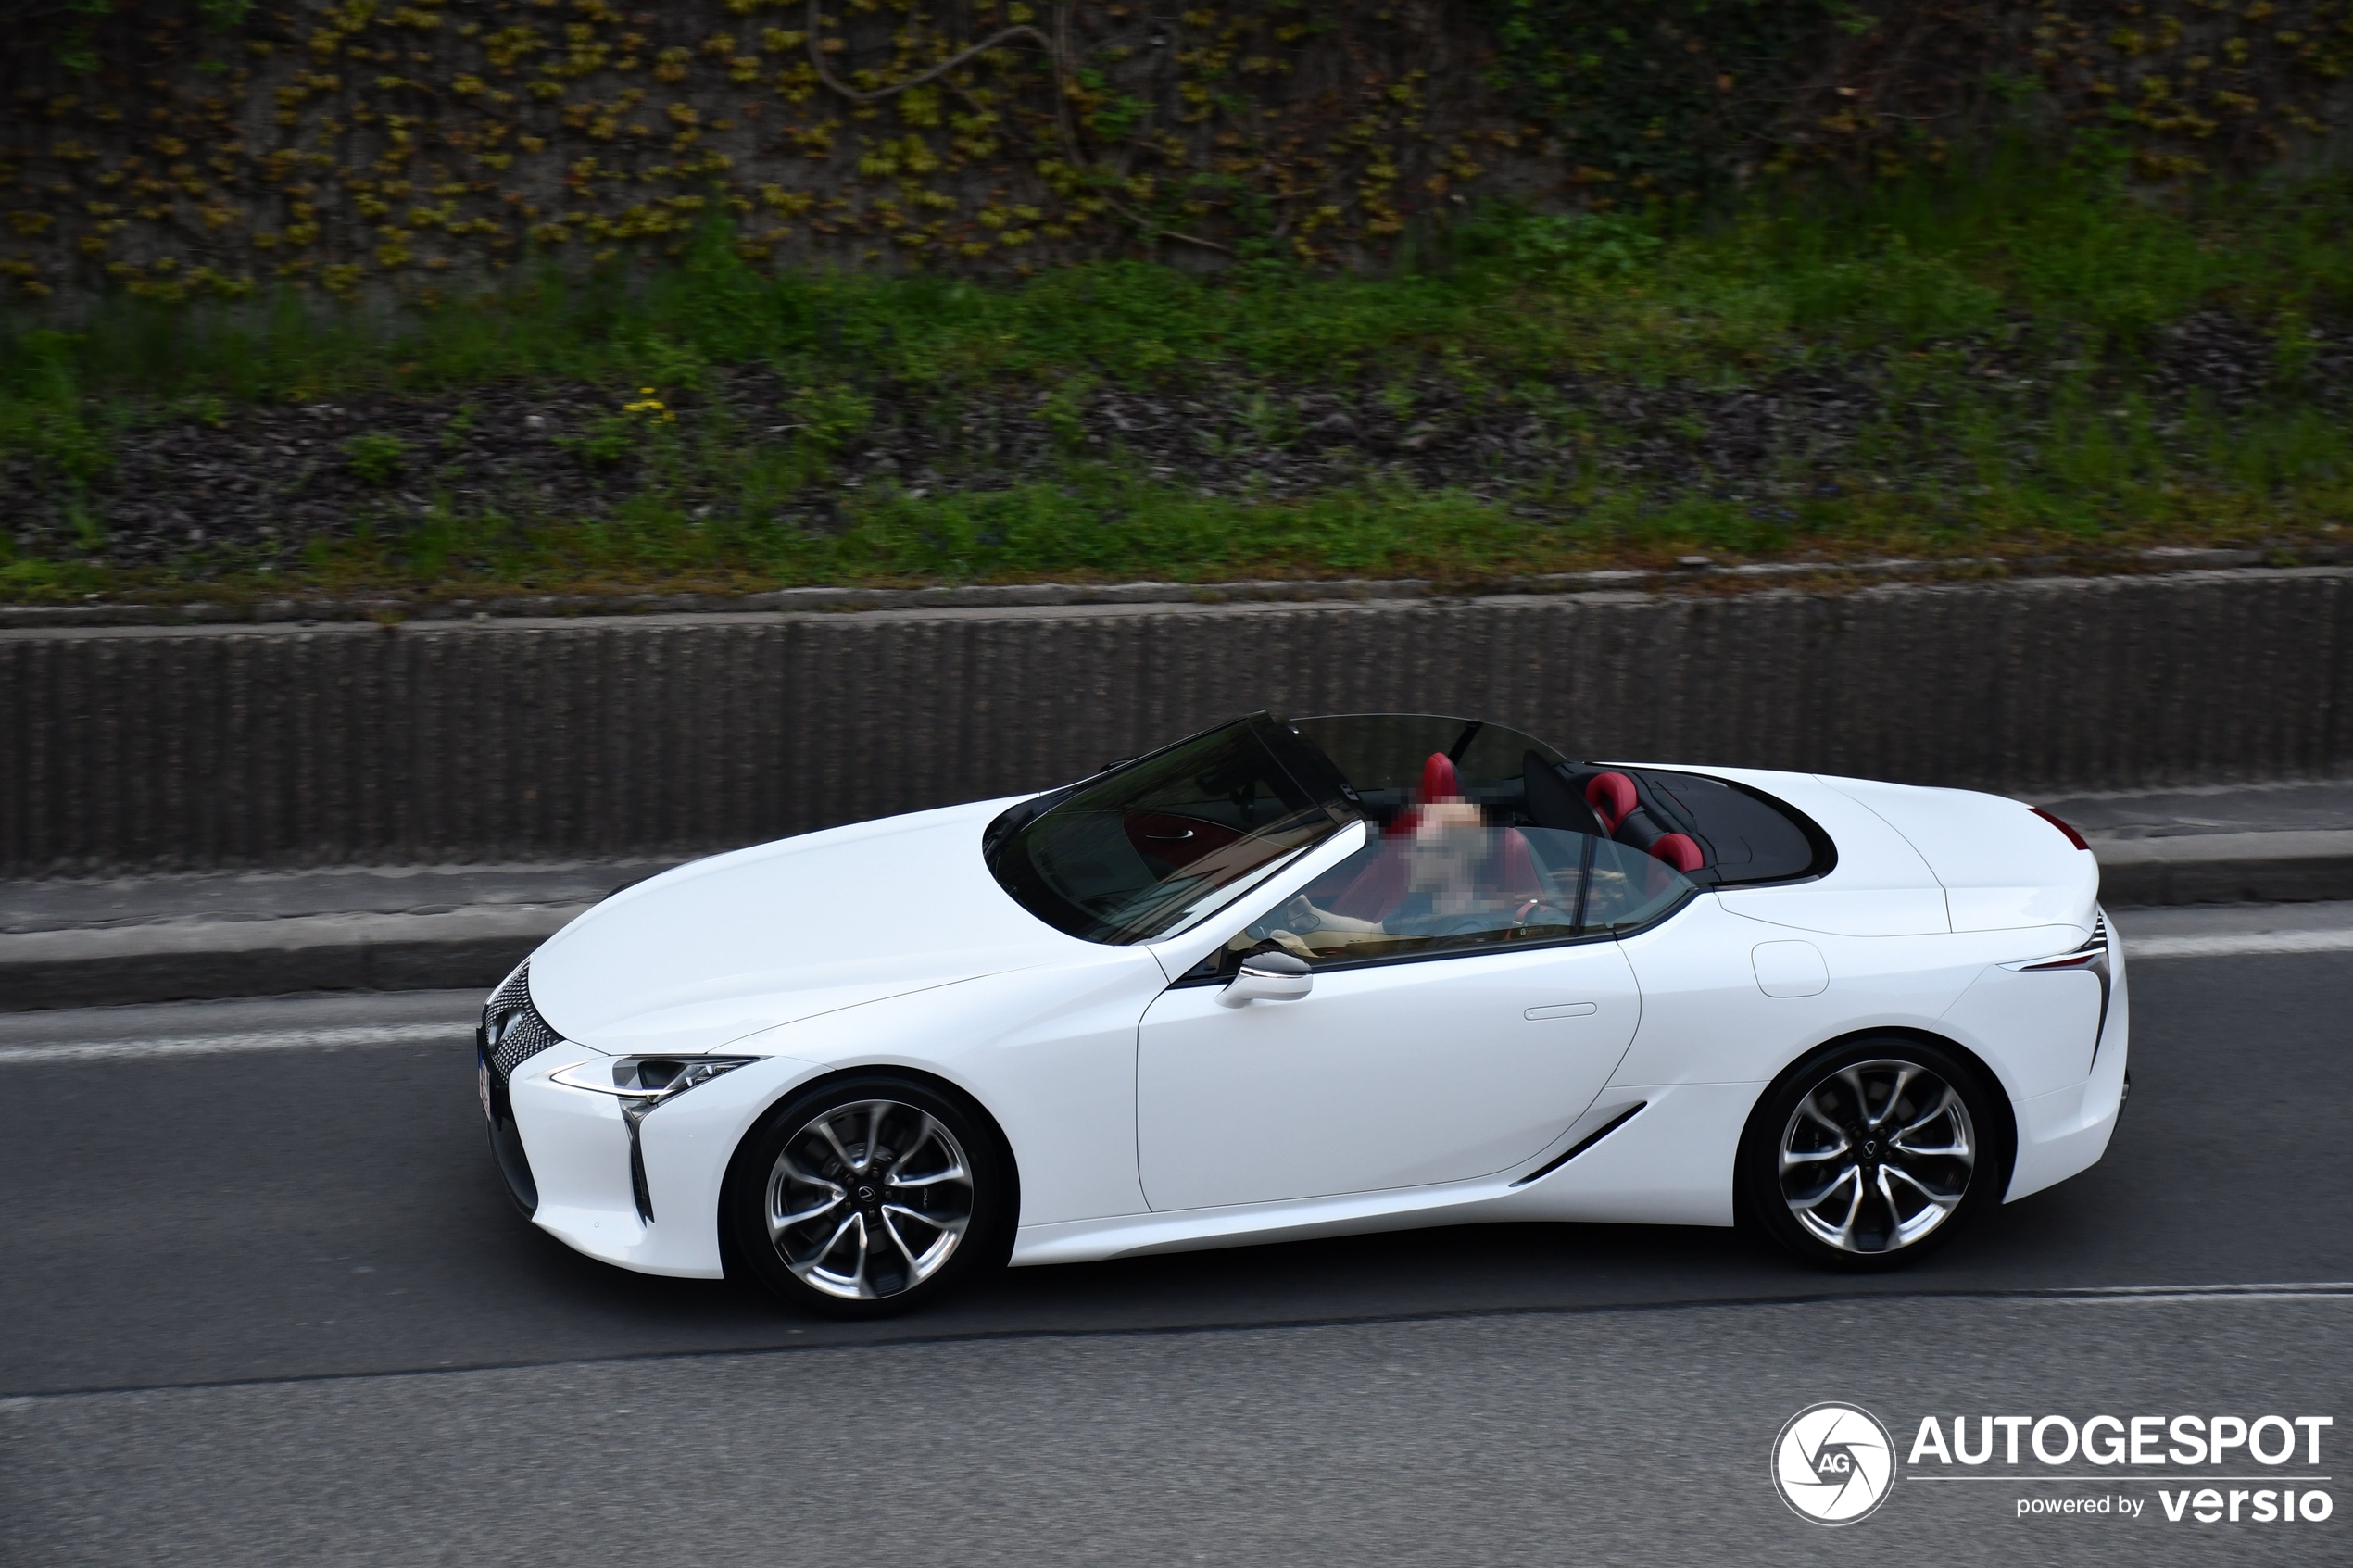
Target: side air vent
[[1588, 1141]]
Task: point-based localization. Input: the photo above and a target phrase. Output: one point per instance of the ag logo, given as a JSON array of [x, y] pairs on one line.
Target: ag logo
[[1833, 1463]]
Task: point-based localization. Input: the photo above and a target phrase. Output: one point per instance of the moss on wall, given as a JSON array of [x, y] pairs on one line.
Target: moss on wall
[[186, 149], [333, 145]]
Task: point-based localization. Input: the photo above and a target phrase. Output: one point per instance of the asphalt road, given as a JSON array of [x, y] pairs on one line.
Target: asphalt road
[[268, 1305]]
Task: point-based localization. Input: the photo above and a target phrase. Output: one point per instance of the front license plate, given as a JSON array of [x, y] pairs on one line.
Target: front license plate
[[482, 1087]]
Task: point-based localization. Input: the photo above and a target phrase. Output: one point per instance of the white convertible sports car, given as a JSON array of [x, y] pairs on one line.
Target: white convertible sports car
[[1298, 978]]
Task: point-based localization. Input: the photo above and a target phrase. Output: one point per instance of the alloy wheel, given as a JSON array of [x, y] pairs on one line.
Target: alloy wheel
[[869, 1200], [1877, 1156]]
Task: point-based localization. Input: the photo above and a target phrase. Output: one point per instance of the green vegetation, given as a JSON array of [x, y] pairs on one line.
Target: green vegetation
[[376, 457], [2009, 343]]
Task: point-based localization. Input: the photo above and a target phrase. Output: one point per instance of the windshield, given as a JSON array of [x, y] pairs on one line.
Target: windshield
[[1383, 756], [1155, 846]]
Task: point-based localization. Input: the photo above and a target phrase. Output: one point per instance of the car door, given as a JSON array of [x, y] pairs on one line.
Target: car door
[[1424, 1067]]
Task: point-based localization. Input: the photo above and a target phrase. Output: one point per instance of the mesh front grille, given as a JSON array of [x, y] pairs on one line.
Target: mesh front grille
[[516, 988], [514, 1026]]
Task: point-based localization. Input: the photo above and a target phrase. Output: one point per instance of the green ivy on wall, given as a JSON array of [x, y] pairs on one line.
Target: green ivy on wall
[[178, 151], [186, 149], [1661, 94], [1672, 96]]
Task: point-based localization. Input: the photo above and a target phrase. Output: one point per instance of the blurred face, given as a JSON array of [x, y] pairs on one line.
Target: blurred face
[[1448, 822], [1448, 842]]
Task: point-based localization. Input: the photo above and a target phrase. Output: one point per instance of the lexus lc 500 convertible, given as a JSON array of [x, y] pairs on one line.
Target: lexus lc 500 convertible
[[1306, 977]]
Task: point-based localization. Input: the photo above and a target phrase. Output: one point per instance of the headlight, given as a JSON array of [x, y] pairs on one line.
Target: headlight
[[641, 1082]]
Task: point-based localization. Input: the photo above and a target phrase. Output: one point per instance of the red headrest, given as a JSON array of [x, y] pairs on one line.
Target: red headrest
[[1678, 850], [1512, 868], [1440, 781], [1612, 797]]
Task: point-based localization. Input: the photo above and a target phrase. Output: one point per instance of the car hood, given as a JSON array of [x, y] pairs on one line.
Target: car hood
[[712, 951]]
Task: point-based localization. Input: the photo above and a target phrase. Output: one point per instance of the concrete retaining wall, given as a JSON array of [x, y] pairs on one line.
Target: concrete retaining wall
[[226, 746]]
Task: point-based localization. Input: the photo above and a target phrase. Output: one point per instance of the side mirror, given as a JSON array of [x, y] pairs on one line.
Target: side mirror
[[1267, 977]]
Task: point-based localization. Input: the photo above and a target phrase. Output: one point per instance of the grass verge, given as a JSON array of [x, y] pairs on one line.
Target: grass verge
[[2021, 360]]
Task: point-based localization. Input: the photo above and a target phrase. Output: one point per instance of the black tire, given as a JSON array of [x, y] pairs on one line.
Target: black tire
[[1900, 1195], [890, 1204]]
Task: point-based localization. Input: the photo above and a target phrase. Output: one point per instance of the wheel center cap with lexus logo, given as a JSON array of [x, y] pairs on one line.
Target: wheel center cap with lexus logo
[[1833, 1463]]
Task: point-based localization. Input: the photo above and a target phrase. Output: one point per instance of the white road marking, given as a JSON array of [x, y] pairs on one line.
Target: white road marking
[[2169, 1295], [2230, 944], [213, 1045]]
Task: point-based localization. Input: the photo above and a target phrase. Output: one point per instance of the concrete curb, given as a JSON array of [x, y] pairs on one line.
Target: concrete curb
[[205, 960], [852, 599], [2226, 867], [210, 960]]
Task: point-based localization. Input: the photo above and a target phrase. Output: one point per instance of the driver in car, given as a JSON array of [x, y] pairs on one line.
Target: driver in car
[[1444, 892]]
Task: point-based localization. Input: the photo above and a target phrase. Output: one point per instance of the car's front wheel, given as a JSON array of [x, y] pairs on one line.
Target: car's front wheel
[[865, 1198], [1869, 1154]]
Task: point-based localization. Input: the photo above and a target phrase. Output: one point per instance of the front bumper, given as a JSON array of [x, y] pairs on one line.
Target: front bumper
[[506, 1138], [576, 1145]]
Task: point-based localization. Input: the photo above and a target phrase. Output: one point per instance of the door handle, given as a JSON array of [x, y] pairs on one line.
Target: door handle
[[1561, 1010]]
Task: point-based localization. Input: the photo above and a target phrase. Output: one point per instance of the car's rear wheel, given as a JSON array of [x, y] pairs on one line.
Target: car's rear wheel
[[1870, 1154], [865, 1198]]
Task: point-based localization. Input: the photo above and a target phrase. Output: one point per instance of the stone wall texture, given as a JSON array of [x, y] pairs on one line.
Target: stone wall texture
[[261, 746], [379, 149]]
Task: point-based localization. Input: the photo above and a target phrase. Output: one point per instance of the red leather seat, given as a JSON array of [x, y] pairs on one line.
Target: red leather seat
[[1439, 782], [1440, 779], [1380, 887], [1679, 850], [1613, 799], [1624, 818], [1510, 875]]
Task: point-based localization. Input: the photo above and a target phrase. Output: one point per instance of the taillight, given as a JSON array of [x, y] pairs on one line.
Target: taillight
[[2073, 836]]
